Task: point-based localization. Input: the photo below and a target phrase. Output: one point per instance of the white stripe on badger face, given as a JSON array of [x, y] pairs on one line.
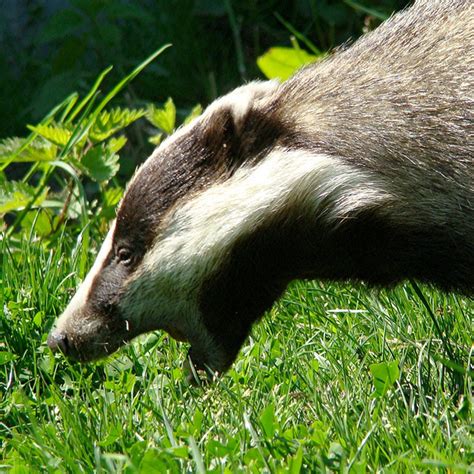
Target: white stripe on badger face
[[81, 295], [165, 289]]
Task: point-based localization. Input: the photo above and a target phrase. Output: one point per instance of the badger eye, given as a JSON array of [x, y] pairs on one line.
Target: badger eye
[[124, 255]]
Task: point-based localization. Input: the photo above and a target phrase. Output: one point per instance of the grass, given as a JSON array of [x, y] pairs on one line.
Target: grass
[[301, 396]]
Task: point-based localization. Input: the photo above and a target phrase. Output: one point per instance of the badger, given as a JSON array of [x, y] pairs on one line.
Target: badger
[[359, 167]]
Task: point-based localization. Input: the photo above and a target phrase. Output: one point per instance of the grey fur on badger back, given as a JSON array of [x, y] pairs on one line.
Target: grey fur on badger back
[[359, 167]]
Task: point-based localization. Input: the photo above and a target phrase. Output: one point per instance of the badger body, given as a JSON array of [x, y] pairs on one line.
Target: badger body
[[359, 167]]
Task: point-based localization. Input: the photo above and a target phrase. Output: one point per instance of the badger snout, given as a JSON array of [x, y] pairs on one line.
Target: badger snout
[[87, 346], [58, 342]]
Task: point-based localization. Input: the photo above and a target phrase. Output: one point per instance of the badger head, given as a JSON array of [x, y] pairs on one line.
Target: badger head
[[166, 261]]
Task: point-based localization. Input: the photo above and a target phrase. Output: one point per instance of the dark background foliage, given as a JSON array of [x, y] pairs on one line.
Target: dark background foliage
[[49, 48]]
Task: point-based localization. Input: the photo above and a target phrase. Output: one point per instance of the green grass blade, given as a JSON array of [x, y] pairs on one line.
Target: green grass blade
[[82, 130], [89, 95]]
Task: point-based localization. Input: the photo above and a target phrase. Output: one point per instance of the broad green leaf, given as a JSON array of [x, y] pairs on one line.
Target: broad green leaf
[[319, 432], [163, 118], [197, 422], [117, 143], [157, 460], [15, 196], [52, 133], [217, 449], [385, 375], [296, 461], [156, 139], [40, 219], [179, 452], [37, 150], [115, 432], [100, 163], [109, 122], [18, 466], [252, 455], [267, 419], [359, 467], [112, 196], [128, 382], [6, 357], [38, 318], [282, 62], [110, 199]]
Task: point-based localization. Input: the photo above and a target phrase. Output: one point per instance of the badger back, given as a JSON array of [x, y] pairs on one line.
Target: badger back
[[359, 167]]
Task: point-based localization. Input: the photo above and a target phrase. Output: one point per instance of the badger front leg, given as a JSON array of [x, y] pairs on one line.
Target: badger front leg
[[212, 360], [217, 341]]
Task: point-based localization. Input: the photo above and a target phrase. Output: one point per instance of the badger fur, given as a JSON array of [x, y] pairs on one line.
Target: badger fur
[[359, 167]]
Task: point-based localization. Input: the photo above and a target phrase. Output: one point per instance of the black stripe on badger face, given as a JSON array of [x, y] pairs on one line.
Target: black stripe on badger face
[[209, 153]]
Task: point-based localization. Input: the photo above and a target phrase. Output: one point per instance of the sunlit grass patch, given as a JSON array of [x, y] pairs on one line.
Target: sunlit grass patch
[[304, 394]]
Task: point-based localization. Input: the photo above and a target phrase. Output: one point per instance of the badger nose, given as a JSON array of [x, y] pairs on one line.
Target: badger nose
[[57, 341]]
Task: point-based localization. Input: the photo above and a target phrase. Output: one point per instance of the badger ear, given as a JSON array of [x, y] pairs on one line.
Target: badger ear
[[254, 96], [234, 109], [240, 124]]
